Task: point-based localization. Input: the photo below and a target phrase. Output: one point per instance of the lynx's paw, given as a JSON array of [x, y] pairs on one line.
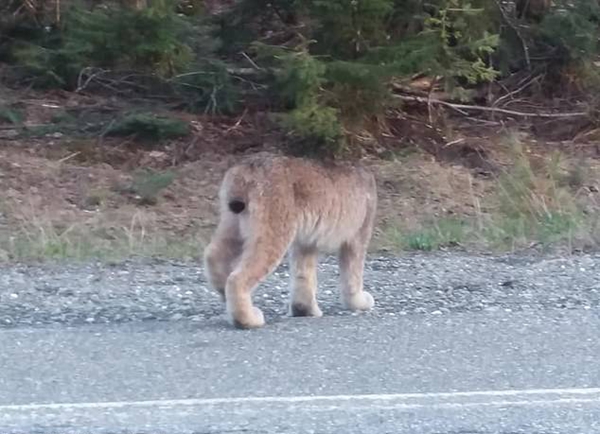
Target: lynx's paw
[[361, 301], [248, 320], [301, 309]]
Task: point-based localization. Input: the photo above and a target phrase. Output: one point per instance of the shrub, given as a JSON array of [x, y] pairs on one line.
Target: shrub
[[147, 184], [149, 127], [208, 88], [155, 40], [298, 81], [348, 29], [333, 70]]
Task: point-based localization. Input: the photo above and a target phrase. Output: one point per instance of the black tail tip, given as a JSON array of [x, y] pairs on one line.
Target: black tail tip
[[237, 206]]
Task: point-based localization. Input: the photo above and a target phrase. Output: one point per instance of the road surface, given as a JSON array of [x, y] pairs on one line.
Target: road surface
[[457, 344]]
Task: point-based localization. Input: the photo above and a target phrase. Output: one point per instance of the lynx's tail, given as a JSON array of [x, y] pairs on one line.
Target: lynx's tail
[[241, 182], [237, 206]]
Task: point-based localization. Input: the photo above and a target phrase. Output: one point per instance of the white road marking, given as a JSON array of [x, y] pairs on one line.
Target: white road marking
[[526, 397]]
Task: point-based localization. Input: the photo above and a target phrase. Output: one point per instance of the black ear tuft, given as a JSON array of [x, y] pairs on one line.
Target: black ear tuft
[[237, 206]]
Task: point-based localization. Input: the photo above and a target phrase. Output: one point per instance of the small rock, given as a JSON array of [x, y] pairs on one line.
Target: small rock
[[66, 292]]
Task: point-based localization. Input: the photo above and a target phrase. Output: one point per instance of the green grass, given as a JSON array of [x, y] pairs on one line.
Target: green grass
[[533, 203], [37, 237], [498, 232], [446, 232], [10, 115], [538, 203], [507, 233], [79, 244]]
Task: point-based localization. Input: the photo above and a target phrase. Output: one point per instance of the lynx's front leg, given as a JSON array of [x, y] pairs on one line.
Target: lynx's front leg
[[261, 256], [303, 297]]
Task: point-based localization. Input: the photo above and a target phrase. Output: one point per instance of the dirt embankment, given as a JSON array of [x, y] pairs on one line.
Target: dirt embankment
[[61, 186]]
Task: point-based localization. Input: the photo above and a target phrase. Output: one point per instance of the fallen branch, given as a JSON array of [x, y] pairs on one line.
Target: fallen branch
[[23, 127], [459, 107], [514, 92], [245, 71]]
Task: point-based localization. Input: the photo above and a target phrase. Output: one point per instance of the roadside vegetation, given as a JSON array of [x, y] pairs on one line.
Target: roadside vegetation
[[533, 203], [151, 87]]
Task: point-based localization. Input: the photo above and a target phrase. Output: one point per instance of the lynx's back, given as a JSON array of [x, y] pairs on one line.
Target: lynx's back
[[327, 203], [331, 202]]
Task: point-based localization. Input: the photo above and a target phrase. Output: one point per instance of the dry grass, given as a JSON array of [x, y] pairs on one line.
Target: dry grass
[[52, 208], [545, 200], [38, 237]]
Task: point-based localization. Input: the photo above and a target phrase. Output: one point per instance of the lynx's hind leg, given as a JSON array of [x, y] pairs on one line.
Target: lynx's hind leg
[[352, 258], [303, 297], [262, 253], [224, 250], [352, 255]]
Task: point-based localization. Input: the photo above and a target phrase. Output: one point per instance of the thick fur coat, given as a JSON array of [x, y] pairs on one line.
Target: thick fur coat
[[273, 205]]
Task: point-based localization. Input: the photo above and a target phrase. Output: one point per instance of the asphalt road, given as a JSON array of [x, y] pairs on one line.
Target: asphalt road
[[519, 363]]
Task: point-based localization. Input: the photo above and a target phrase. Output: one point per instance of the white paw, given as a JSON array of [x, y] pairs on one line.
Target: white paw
[[248, 320], [361, 301]]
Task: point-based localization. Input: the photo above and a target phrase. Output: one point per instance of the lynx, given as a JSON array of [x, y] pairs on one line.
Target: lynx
[[270, 206]]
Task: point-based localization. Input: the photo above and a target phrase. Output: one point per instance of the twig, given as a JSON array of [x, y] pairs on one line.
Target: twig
[[252, 62], [430, 91], [255, 86], [187, 74], [514, 92], [213, 101], [81, 86], [459, 107], [239, 121], [476, 203], [106, 130], [484, 121], [23, 127], [453, 142], [68, 157]]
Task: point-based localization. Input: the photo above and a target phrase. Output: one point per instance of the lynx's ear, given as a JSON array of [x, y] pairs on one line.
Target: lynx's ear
[[236, 206]]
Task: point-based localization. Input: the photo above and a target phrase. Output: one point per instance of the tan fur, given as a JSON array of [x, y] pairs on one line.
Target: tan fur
[[293, 205]]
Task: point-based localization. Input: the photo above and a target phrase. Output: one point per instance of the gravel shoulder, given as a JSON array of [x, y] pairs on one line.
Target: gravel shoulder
[[142, 347], [431, 284]]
